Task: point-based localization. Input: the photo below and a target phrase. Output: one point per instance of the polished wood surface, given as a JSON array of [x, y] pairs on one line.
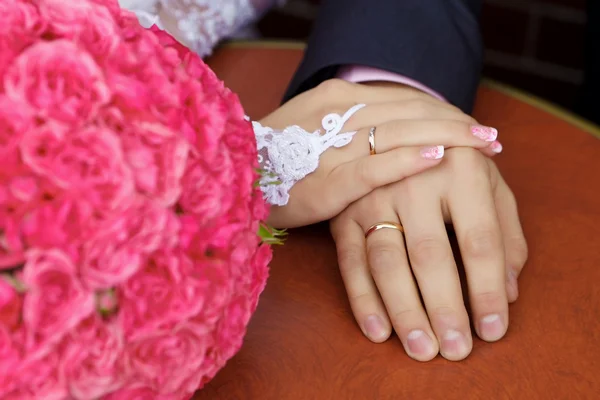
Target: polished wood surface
[[303, 342]]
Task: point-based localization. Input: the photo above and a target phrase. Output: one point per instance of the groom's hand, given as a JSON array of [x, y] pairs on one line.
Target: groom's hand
[[388, 274]]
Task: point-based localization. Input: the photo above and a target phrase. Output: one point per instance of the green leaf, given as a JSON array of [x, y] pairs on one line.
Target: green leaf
[[271, 236]]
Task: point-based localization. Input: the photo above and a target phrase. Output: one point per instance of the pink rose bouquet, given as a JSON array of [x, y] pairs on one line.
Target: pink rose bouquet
[[130, 259]]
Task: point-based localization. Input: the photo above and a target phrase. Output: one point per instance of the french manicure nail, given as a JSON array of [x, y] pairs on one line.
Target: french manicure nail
[[484, 133], [496, 147], [374, 328], [419, 343], [432, 153], [454, 345], [492, 328]]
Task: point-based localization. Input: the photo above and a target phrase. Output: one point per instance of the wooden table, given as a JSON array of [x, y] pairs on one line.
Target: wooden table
[[303, 342]]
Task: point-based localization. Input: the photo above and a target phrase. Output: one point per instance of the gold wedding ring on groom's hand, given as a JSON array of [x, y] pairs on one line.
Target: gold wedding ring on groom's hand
[[372, 141], [384, 225]]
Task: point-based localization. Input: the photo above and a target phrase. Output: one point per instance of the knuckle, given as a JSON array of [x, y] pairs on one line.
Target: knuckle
[[518, 251], [405, 317], [362, 298], [481, 242], [458, 127], [427, 251], [489, 301], [442, 313], [333, 89]]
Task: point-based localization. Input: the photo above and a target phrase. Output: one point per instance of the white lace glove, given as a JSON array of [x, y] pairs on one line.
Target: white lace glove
[[288, 156], [198, 24]]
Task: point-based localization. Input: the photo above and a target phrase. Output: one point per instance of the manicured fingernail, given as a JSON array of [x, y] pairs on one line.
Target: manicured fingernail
[[492, 328], [454, 345], [419, 343], [484, 133], [496, 147], [432, 153], [375, 329]]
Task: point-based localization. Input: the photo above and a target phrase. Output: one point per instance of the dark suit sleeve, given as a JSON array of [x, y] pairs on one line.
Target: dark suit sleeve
[[435, 42]]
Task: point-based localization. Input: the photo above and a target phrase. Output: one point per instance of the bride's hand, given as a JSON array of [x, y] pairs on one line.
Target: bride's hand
[[412, 130]]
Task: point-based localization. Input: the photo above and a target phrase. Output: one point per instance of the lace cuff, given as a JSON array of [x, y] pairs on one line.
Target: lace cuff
[[288, 156]]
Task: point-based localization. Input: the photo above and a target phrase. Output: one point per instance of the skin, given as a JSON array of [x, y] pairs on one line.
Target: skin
[[386, 273]]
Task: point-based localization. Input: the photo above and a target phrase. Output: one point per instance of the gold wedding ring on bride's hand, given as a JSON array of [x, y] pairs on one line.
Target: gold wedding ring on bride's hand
[[372, 141], [384, 225]]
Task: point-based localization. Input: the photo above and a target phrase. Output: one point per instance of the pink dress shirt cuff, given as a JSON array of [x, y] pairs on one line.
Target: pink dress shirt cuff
[[359, 73]]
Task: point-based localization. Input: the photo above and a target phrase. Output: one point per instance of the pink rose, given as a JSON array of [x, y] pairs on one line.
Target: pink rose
[[14, 120], [231, 329], [89, 164], [142, 85], [59, 80], [41, 379], [92, 361], [260, 273], [260, 208], [157, 158], [241, 141], [55, 301], [170, 361], [169, 42], [244, 245], [207, 190], [163, 291], [10, 359], [92, 25], [20, 25], [204, 119], [59, 224], [10, 306], [40, 146], [117, 250], [218, 292]]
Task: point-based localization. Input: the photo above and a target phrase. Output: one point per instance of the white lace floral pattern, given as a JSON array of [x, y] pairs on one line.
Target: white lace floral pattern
[[288, 156], [198, 24]]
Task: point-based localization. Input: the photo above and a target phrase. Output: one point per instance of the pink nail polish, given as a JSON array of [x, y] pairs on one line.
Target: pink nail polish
[[432, 153], [484, 133], [496, 147]]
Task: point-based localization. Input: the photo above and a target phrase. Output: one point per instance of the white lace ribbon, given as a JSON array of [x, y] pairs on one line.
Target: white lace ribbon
[[288, 156]]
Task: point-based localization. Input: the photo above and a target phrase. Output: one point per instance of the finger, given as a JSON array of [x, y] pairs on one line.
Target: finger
[[389, 266], [424, 133], [416, 109], [435, 270], [367, 307], [515, 244], [471, 205], [354, 180]]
